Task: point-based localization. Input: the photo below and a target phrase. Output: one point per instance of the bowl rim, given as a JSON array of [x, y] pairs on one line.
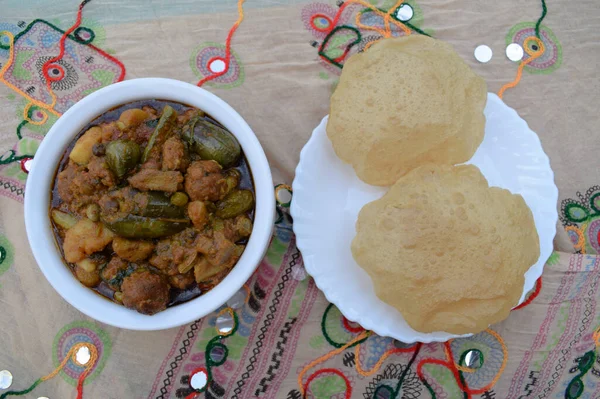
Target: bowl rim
[[40, 180]]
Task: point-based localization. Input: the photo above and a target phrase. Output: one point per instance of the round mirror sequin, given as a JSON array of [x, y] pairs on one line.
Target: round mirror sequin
[[405, 13], [224, 323], [237, 300], [5, 379], [199, 379], [283, 195], [384, 392], [514, 52], [298, 273], [217, 66], [473, 359], [218, 354], [26, 164], [83, 355], [483, 53]]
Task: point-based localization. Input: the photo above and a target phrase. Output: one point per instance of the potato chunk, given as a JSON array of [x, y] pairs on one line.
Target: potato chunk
[[133, 117], [85, 238], [132, 250], [87, 278], [82, 151]]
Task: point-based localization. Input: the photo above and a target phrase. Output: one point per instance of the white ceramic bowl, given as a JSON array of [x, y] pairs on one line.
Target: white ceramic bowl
[[39, 184]]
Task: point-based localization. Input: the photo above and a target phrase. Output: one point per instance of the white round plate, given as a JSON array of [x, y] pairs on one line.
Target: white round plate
[[328, 196]]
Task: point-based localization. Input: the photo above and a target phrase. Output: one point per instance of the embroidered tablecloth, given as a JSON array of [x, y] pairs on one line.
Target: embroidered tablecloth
[[277, 62]]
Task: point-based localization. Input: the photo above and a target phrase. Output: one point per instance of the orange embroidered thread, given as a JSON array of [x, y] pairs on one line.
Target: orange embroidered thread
[[11, 52], [377, 366], [11, 57], [71, 355], [366, 27], [533, 54], [328, 356], [386, 23], [580, 246], [386, 18], [27, 118], [245, 287], [596, 337]]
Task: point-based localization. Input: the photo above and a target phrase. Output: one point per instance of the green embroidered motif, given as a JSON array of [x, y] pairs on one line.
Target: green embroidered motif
[[7, 253], [332, 328], [576, 386], [19, 71], [28, 146], [548, 62], [97, 28], [317, 342], [444, 378], [298, 298], [581, 219], [539, 21], [334, 51], [215, 342], [276, 252], [553, 259], [104, 77], [236, 344], [323, 49], [328, 386], [15, 172], [38, 129]]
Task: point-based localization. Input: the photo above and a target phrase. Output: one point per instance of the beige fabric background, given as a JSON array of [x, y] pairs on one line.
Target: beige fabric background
[[283, 98]]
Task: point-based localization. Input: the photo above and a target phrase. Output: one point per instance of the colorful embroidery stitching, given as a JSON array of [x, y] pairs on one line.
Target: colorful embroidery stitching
[[51, 69], [70, 357], [571, 314], [581, 219], [74, 334], [209, 58], [550, 60], [356, 25], [218, 65], [543, 53]]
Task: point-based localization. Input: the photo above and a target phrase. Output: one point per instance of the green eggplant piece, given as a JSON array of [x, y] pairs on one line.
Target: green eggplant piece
[[161, 133], [132, 226], [211, 142], [160, 206], [236, 203], [122, 156]]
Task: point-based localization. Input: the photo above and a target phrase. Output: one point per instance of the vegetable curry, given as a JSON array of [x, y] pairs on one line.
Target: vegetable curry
[[152, 204]]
